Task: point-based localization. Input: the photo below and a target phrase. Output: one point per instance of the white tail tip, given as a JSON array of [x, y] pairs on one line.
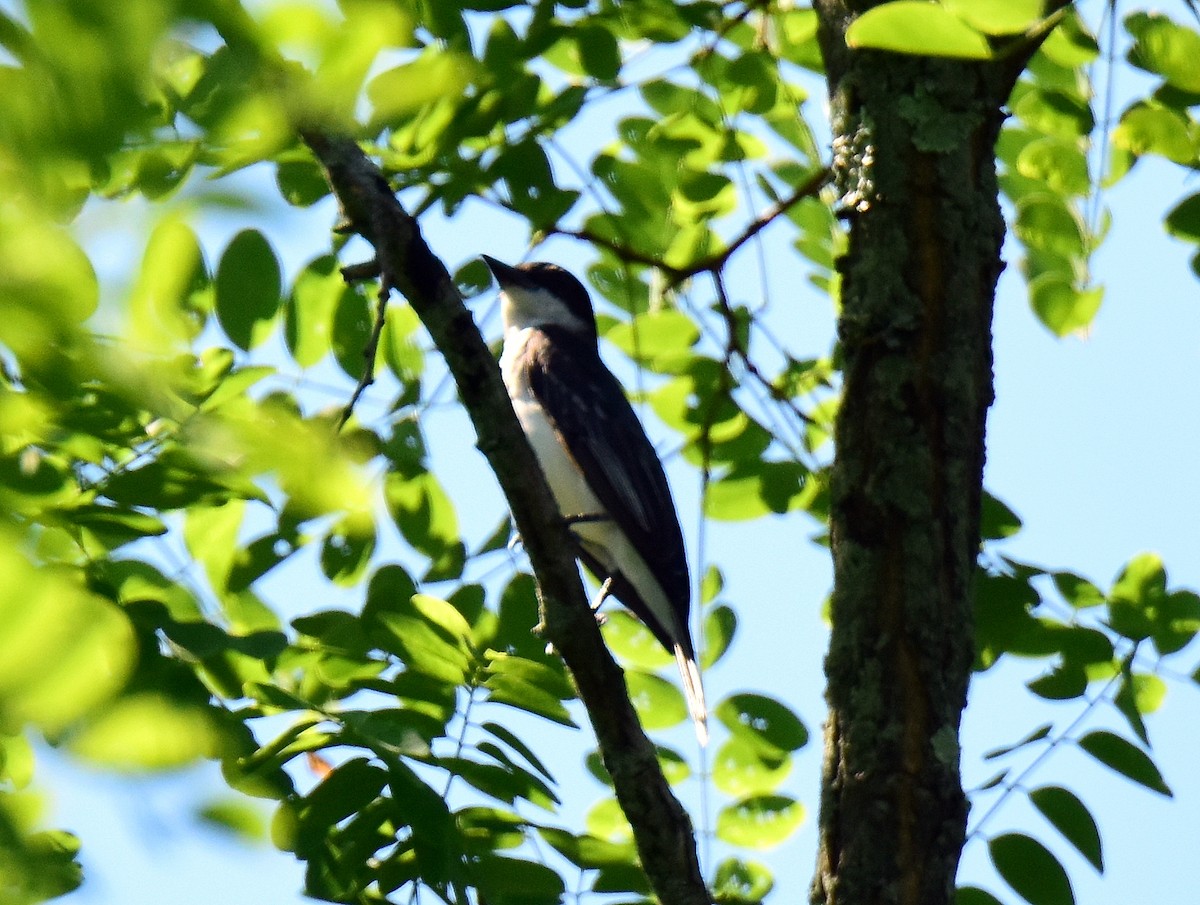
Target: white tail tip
[[693, 692]]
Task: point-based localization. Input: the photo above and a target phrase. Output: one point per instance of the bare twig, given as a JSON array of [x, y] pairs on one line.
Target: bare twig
[[676, 275], [372, 347]]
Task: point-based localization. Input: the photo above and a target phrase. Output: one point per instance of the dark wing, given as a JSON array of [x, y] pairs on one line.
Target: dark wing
[[596, 423]]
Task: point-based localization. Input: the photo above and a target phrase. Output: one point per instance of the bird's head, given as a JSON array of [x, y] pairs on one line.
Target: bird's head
[[542, 295]]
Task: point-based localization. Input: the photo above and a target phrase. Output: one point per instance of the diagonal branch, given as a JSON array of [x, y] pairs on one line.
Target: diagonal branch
[[661, 827]]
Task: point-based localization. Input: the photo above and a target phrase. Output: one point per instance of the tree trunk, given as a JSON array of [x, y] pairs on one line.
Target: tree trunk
[[913, 156]]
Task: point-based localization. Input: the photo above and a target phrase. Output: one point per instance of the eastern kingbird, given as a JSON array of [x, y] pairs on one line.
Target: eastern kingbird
[[606, 477]]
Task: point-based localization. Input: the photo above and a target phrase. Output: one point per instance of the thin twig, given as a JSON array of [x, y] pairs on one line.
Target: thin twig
[[676, 275]]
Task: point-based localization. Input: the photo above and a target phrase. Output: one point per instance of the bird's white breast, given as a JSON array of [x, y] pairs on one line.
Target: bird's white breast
[[602, 538], [566, 481]]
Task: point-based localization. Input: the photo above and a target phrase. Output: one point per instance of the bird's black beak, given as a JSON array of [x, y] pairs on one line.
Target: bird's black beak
[[505, 275]]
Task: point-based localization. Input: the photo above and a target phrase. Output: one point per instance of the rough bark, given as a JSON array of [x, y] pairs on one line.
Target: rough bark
[[914, 160]]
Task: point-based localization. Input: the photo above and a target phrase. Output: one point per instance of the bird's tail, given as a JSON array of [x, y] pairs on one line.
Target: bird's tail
[[693, 691]]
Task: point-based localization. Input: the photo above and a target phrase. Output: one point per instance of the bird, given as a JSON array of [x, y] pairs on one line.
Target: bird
[[606, 477]]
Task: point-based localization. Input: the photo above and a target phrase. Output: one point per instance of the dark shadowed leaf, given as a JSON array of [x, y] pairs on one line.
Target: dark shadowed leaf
[[1126, 758], [248, 289], [1071, 818], [1031, 870]]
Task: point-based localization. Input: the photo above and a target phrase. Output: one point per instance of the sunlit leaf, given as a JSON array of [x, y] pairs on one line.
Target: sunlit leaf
[[741, 768], [1061, 306], [914, 27], [1164, 48], [997, 17], [659, 703], [148, 731], [763, 722], [629, 639], [737, 880], [760, 822]]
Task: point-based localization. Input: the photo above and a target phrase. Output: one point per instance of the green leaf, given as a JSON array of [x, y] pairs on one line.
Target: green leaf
[[1045, 223], [737, 880], [165, 306], [1059, 163], [1164, 48], [763, 722], [1031, 870], [427, 634], [630, 640], [308, 315], [606, 820], [1137, 595], [148, 732], [301, 182], [1071, 45], [1126, 758], [1062, 307], [1036, 736], [1065, 682], [589, 852], [1070, 817], [528, 685], [656, 338], [760, 822], [347, 548], [236, 816], [598, 51], [398, 341], [248, 289], [350, 335], [349, 788], [742, 768], [1150, 128], [752, 489], [659, 703], [1077, 591], [998, 521], [1055, 112], [511, 881], [64, 652], [436, 74], [423, 512], [1184, 219], [915, 27], [997, 17], [720, 624], [394, 732], [973, 895], [510, 739]]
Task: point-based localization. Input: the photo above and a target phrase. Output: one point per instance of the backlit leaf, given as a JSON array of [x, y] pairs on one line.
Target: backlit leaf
[[760, 822], [914, 27], [659, 703], [763, 722]]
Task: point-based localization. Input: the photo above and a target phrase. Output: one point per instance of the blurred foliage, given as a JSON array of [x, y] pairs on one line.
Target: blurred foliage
[[164, 457]]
